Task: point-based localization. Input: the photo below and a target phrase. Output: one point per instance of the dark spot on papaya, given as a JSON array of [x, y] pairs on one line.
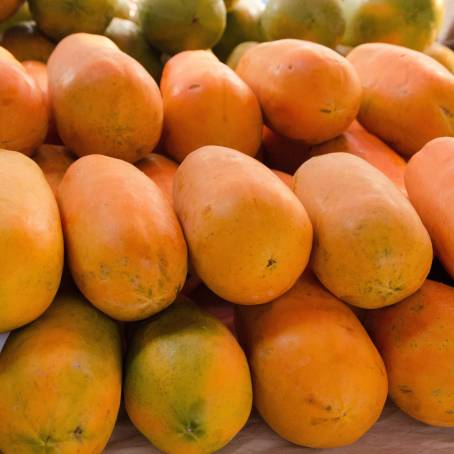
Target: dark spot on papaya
[[194, 86], [417, 307], [195, 20], [289, 67], [450, 412], [447, 112], [325, 110], [78, 432], [405, 389], [328, 408], [271, 262]]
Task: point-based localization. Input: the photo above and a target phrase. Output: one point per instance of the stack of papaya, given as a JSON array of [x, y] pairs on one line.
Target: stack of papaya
[[166, 162]]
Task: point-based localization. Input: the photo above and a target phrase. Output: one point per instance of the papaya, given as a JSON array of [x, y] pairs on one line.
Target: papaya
[[318, 380], [357, 141], [26, 42], [22, 14], [104, 101], [307, 91], [54, 161], [229, 4], [429, 179], [188, 385], [282, 153], [173, 26], [123, 9], [58, 19], [408, 97], [243, 24], [410, 23], [206, 103], [370, 249], [161, 170], [415, 339], [31, 242], [23, 107], [126, 250], [61, 381], [442, 54], [38, 71], [320, 21], [236, 54], [127, 35], [285, 177], [9, 8], [249, 237]]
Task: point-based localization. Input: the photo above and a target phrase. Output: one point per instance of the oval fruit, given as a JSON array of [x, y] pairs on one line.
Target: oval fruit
[[8, 8], [161, 170], [71, 357], [371, 248], [104, 100], [26, 42], [54, 161], [307, 91], [31, 241], [357, 141], [413, 24], [442, 54], [23, 108], [126, 250], [206, 103], [282, 153], [248, 235], [243, 24], [416, 341], [321, 21], [128, 36], [429, 179], [308, 347], [58, 19], [173, 26], [193, 357], [408, 97]]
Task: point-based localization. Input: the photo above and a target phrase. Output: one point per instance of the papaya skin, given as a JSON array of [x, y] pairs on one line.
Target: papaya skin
[[236, 54], [249, 238], [415, 339], [371, 249], [188, 385], [429, 179], [126, 250], [285, 177], [357, 141], [8, 8], [299, 349], [23, 108], [307, 91], [206, 103], [104, 101], [442, 54], [408, 97], [54, 161], [31, 234], [61, 381]]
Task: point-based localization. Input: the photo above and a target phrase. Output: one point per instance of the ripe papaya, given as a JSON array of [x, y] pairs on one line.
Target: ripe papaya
[[408, 97], [429, 179], [8, 8], [236, 54], [61, 381], [23, 107], [307, 91], [188, 385], [318, 380], [416, 341], [371, 248], [31, 241], [442, 54], [248, 235], [104, 101], [206, 103], [58, 19], [54, 161], [126, 250]]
